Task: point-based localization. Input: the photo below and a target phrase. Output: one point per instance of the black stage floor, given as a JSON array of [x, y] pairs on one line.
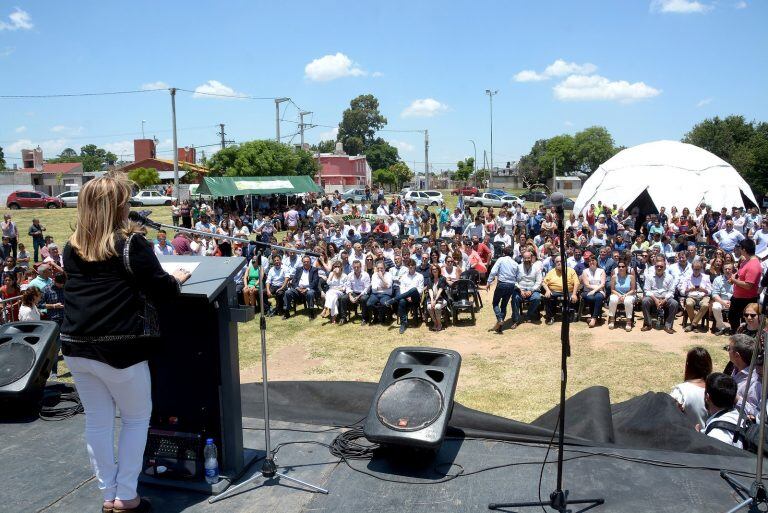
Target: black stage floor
[[45, 468]]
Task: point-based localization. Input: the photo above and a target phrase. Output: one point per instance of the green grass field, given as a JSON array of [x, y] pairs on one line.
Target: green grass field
[[514, 375]]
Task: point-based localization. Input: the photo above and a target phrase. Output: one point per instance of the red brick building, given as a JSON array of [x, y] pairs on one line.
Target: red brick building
[[339, 171], [145, 155]]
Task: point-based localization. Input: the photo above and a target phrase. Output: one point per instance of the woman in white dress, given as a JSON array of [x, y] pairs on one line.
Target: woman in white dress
[[336, 281], [690, 393]]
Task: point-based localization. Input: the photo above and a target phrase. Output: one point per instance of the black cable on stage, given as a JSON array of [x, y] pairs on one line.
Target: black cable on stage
[[57, 412], [543, 463]]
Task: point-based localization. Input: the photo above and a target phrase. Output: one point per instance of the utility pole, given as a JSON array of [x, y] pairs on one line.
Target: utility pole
[[302, 126], [426, 157], [175, 144], [554, 175], [278, 101], [490, 97], [222, 134], [474, 162]]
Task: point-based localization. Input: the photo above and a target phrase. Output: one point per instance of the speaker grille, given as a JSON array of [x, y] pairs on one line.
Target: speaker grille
[[16, 360], [409, 404]]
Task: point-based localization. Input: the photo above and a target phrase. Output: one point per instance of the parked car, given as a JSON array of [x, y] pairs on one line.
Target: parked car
[[567, 203], [511, 198], [150, 197], [32, 199], [486, 200], [498, 192], [534, 196], [353, 195], [69, 198], [433, 198], [465, 191]]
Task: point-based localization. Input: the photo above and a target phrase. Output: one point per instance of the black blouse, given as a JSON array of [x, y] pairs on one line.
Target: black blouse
[[109, 315]]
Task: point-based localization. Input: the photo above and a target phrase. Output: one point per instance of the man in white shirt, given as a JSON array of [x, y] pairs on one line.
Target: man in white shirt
[[411, 287], [695, 289], [396, 272], [277, 284], [394, 226], [529, 284], [728, 237], [382, 209], [761, 237], [681, 269], [502, 236], [356, 292], [659, 293], [720, 400], [381, 287]]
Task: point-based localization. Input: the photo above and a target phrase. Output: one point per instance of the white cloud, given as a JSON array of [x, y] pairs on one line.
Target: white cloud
[[424, 108], [679, 6], [705, 101], [155, 85], [595, 87], [402, 145], [330, 67], [68, 130], [559, 68], [51, 147], [20, 129], [741, 5], [8, 50], [214, 89], [18, 19], [377, 74], [331, 134], [528, 75], [123, 149]]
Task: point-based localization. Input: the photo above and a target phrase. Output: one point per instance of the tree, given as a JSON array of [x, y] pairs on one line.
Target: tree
[[68, 153], [742, 144], [2, 158], [144, 176], [262, 158], [560, 150], [359, 123], [91, 156], [380, 154], [383, 176], [327, 146], [593, 146], [401, 173], [464, 169]]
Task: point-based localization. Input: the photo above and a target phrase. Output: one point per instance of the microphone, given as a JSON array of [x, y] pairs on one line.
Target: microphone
[[557, 199], [143, 220]]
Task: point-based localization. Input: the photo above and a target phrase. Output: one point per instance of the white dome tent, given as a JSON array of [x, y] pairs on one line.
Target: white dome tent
[[665, 174]]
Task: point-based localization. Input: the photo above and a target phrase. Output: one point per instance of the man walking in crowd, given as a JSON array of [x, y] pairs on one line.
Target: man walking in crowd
[[38, 239], [507, 272]]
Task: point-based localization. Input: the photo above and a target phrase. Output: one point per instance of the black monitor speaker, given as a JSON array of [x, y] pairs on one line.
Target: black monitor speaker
[[414, 401], [27, 352]]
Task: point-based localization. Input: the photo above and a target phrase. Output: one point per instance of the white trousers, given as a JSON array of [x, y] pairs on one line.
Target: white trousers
[[332, 297], [717, 313], [613, 303], [101, 387]]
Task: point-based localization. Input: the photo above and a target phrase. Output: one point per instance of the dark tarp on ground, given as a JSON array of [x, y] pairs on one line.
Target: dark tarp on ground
[[222, 186], [649, 421]]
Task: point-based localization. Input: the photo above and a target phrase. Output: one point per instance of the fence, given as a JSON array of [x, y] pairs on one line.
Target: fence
[[7, 310]]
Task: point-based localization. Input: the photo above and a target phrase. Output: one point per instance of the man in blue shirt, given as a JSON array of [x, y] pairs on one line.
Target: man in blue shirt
[[508, 273]]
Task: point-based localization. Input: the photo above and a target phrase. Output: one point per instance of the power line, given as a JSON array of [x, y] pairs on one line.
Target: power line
[[220, 95], [74, 95], [124, 134]]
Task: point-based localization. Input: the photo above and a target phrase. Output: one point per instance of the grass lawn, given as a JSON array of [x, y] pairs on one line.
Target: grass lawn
[[514, 375]]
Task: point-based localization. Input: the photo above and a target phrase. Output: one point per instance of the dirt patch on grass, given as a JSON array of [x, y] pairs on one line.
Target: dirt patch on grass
[[289, 363]]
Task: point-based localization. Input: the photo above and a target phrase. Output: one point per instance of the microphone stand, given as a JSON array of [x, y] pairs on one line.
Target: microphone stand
[[757, 493], [558, 499], [269, 469]]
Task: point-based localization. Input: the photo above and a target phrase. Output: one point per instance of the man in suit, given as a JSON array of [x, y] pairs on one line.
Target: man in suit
[[304, 284]]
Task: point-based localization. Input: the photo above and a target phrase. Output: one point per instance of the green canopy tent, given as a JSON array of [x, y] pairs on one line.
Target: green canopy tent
[[218, 186]]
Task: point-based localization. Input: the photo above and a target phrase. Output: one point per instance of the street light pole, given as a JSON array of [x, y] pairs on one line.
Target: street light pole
[[426, 158], [474, 162], [490, 97], [278, 101], [142, 128]]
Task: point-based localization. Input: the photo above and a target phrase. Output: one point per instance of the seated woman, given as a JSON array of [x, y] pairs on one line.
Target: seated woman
[[436, 295], [337, 282], [29, 300], [593, 282], [623, 290], [251, 279], [690, 393]]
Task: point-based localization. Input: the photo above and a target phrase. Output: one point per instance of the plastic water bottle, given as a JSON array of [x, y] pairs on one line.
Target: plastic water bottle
[[211, 463]]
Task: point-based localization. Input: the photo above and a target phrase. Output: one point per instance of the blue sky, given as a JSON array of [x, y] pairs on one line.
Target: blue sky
[[645, 69]]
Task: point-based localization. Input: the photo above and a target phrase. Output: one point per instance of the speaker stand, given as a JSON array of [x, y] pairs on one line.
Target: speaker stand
[[558, 500], [269, 467]]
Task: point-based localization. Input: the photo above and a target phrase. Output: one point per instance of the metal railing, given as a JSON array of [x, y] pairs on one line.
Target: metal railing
[[7, 310]]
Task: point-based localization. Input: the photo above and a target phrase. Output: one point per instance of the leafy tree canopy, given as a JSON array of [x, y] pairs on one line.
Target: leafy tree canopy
[[262, 158], [144, 176]]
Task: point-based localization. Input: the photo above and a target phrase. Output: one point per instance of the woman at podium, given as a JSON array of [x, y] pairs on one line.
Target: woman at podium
[[109, 329]]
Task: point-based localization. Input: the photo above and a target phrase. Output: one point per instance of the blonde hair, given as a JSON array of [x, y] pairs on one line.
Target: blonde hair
[[101, 216]]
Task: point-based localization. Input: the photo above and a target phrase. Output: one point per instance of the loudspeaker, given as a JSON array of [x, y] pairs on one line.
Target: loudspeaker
[[27, 352], [414, 400]]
